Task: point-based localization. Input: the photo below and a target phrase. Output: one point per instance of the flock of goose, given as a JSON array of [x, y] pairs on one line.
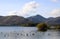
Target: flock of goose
[[14, 35], [26, 35]]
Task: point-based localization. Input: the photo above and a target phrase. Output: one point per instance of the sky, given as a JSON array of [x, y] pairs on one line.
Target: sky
[[26, 8]]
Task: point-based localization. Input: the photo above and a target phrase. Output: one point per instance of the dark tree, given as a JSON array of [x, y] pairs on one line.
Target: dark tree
[[42, 27]]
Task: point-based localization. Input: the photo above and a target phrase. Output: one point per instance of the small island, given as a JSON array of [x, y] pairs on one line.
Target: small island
[[45, 27]]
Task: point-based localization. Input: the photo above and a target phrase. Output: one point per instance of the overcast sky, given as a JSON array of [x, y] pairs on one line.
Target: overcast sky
[[26, 8]]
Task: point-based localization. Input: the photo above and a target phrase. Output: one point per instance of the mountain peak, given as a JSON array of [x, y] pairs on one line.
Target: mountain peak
[[37, 15], [37, 18]]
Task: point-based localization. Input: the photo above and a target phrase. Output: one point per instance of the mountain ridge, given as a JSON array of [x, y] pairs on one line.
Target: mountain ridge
[[19, 20]]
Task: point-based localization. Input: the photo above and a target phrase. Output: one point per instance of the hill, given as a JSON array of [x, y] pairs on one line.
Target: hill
[[53, 21], [30, 21], [37, 19], [13, 20]]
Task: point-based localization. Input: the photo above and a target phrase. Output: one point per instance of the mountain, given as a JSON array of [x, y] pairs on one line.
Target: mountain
[[53, 21], [33, 20], [13, 20], [37, 19], [49, 21]]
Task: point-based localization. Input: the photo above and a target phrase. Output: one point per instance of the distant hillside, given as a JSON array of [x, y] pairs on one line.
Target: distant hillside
[[37, 19], [13, 20], [19, 20], [53, 21]]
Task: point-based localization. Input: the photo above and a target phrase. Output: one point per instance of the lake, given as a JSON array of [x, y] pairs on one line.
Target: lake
[[27, 33]]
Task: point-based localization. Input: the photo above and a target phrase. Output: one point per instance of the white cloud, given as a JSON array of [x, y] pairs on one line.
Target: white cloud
[[54, 0], [12, 13], [55, 13], [26, 9], [29, 7]]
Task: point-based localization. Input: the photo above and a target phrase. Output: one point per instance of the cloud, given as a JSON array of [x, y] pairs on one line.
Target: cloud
[[55, 13], [29, 7], [54, 0], [12, 13], [26, 9]]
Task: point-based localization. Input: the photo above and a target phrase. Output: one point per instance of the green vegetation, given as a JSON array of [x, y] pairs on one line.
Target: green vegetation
[[31, 24], [42, 27], [57, 27]]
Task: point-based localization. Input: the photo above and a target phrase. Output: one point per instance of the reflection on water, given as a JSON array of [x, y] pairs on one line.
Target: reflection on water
[[31, 34]]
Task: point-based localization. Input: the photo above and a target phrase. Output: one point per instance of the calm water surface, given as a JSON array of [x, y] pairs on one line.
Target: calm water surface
[[27, 33]]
